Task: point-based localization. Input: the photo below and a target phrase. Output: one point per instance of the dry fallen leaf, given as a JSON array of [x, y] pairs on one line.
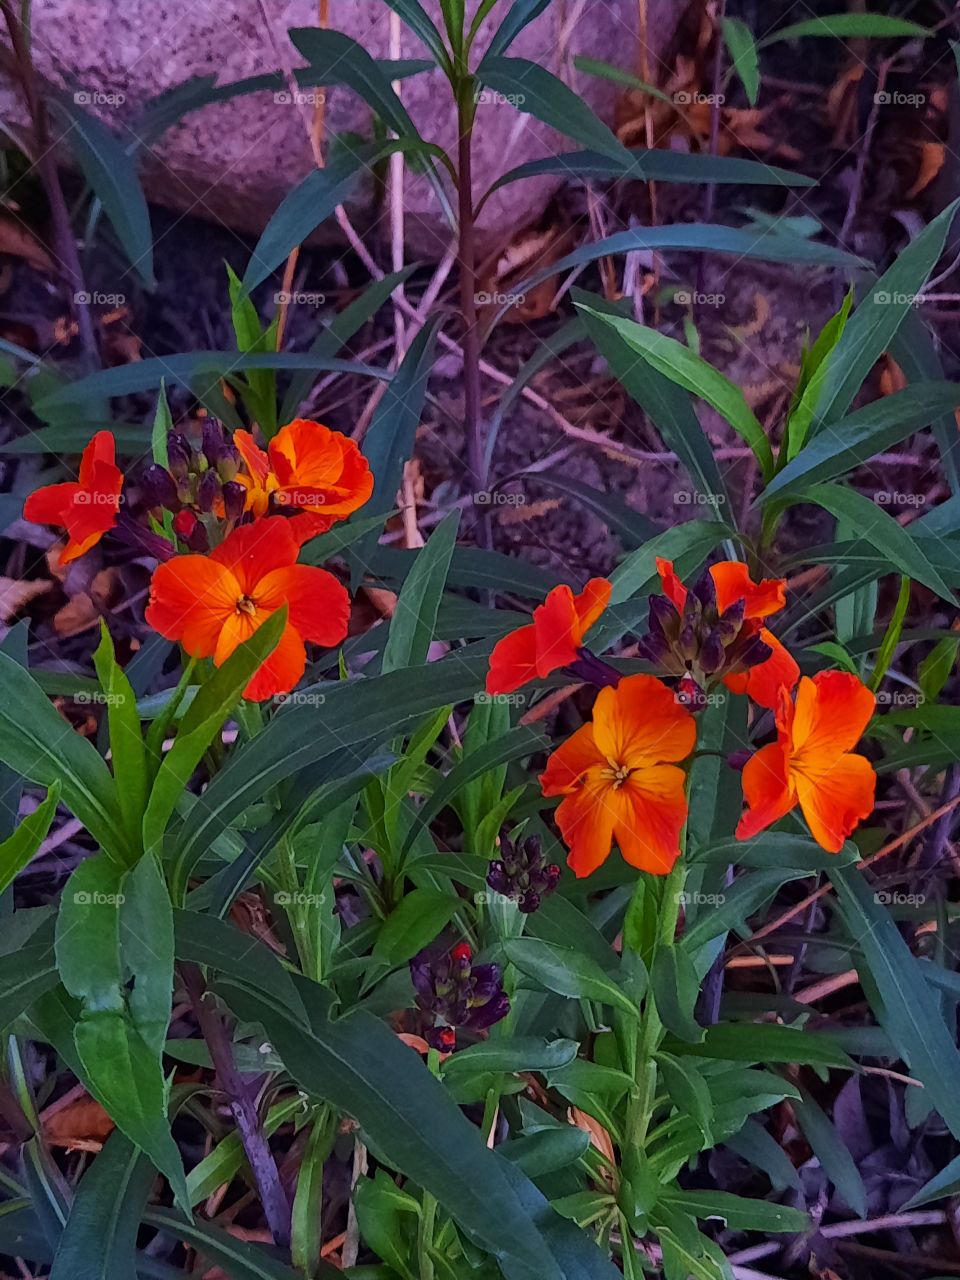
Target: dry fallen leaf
[[15, 593], [932, 155], [81, 1125]]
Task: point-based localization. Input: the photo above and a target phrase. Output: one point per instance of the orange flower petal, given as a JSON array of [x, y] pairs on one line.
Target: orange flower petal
[[319, 470], [191, 598], [319, 605], [254, 459], [834, 801], [780, 670], [49, 504], [766, 789], [513, 661], [309, 525], [99, 456], [282, 669], [732, 581], [652, 808], [555, 630], [570, 762], [590, 603], [640, 722], [586, 819], [254, 550], [832, 711], [673, 588]]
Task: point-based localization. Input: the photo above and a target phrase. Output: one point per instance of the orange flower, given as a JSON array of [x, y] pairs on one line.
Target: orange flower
[[732, 583], [619, 780], [812, 763], [211, 604], [87, 508], [551, 641], [318, 473]]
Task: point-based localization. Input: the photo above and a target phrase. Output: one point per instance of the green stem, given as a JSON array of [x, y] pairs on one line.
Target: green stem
[[428, 1212]]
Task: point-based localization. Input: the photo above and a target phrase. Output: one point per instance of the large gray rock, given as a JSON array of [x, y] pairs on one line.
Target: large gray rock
[[234, 161]]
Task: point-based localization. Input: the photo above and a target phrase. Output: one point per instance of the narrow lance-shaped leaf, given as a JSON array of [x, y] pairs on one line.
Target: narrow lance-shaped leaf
[[126, 739], [17, 850]]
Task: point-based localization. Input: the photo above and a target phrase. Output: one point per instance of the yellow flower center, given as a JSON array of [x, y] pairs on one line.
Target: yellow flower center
[[617, 773], [247, 606]]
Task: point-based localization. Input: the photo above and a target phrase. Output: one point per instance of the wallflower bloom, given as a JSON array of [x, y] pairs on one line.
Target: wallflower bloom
[[307, 468], [619, 778], [812, 763], [748, 602], [211, 604], [86, 508], [551, 641]]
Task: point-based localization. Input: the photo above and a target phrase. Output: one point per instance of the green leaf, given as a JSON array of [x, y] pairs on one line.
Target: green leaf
[[358, 1065], [111, 172], [649, 164], [843, 26], [240, 1260], [389, 439], [566, 971], [521, 14], [546, 1151], [357, 715], [519, 1053], [830, 1150], [775, 850], [684, 367], [743, 50], [873, 325], [146, 949], [338, 333], [675, 987], [902, 1001], [414, 620], [688, 1092], [935, 669], [196, 369], [880, 530], [99, 1241], [126, 740], [767, 246], [17, 850], [24, 977], [537, 92], [204, 719], [846, 444], [516, 744], [738, 1212], [415, 16], [662, 398], [38, 743], [312, 201], [334, 53], [205, 940], [632, 528], [418, 919], [765, 1042]]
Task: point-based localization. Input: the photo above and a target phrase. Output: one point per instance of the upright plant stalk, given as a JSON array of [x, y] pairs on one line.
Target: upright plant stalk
[[466, 112], [66, 245], [276, 1206]]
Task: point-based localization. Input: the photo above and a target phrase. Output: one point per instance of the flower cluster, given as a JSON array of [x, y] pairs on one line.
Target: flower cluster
[[620, 777], [523, 873], [456, 993], [226, 520]]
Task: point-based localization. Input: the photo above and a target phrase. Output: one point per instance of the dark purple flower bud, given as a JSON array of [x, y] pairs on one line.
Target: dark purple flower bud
[[755, 651], [705, 589], [213, 443], [179, 455], [663, 616], [711, 653], [521, 873], [234, 499], [159, 487], [731, 620], [454, 992], [208, 491], [492, 1011]]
